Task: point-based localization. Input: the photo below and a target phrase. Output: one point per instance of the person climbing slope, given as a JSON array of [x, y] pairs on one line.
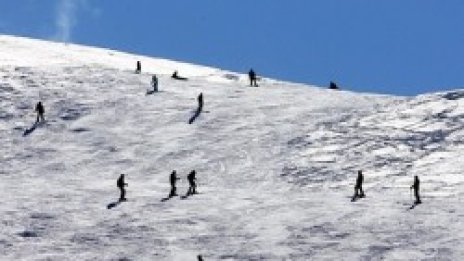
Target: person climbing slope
[[154, 83], [252, 77], [358, 190], [192, 182], [121, 184], [138, 68], [173, 180], [200, 102], [40, 111], [416, 187]]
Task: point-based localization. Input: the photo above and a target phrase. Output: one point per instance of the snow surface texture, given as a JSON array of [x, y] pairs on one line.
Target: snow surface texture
[[276, 165]]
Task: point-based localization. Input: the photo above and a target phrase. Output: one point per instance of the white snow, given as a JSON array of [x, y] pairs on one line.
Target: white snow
[[276, 164]]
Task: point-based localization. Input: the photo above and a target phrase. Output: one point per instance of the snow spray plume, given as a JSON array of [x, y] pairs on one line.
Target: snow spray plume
[[65, 19]]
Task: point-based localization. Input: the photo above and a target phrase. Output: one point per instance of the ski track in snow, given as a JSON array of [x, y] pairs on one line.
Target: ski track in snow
[[276, 164]]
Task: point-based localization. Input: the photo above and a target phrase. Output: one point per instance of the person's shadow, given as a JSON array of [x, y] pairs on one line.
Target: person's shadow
[[195, 116], [31, 129], [172, 193], [114, 204]]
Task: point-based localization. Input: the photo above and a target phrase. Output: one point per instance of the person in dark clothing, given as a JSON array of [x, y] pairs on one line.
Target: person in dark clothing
[[193, 186], [252, 76], [173, 179], [200, 258], [138, 69], [416, 187], [358, 190], [121, 185], [40, 111], [154, 83], [176, 76], [333, 86], [200, 102]]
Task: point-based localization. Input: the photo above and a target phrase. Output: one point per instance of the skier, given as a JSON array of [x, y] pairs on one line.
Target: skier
[[193, 186], [333, 86], [200, 102], [121, 184], [358, 191], [416, 187], [154, 83], [252, 76], [138, 69], [173, 179], [40, 111], [200, 258]]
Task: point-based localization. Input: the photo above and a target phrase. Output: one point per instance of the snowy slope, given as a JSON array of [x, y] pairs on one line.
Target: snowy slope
[[276, 165]]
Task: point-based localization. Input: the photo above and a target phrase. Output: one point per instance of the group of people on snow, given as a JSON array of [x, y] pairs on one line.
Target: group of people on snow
[[191, 178], [175, 75], [359, 193], [121, 184]]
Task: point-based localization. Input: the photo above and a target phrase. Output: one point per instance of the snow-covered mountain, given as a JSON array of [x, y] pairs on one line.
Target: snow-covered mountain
[[276, 165]]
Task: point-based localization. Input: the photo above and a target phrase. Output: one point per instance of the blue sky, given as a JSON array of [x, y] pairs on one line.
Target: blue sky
[[399, 47]]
